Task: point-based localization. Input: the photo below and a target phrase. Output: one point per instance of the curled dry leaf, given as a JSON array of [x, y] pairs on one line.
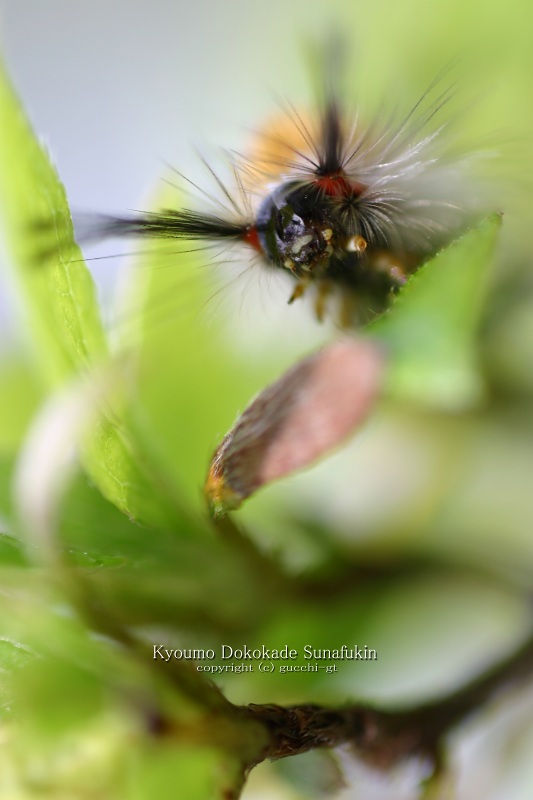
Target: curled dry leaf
[[309, 411]]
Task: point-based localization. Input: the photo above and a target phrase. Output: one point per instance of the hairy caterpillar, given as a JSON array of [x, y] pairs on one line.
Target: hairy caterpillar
[[338, 206]]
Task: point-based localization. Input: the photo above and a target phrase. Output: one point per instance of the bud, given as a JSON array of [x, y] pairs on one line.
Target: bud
[[310, 410]]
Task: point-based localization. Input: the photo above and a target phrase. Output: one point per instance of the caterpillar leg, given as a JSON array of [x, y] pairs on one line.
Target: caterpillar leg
[[348, 307], [323, 291], [298, 291]]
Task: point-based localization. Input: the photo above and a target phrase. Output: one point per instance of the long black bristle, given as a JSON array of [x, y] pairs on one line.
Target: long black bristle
[[332, 145], [167, 224]]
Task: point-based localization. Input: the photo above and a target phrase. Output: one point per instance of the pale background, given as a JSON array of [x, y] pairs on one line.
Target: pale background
[[117, 88]]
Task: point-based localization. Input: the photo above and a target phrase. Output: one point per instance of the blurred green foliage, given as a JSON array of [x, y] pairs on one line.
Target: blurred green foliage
[[416, 540]]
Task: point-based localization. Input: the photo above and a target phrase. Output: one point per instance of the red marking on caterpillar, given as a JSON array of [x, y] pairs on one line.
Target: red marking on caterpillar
[[251, 237], [339, 186]]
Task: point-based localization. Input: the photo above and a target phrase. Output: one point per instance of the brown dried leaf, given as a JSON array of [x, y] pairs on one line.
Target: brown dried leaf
[[309, 411]]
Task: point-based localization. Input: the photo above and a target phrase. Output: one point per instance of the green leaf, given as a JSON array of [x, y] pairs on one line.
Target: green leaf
[[11, 551], [13, 656], [189, 379], [430, 331], [196, 773], [90, 718], [126, 467], [63, 319], [200, 584], [19, 398], [58, 292]]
